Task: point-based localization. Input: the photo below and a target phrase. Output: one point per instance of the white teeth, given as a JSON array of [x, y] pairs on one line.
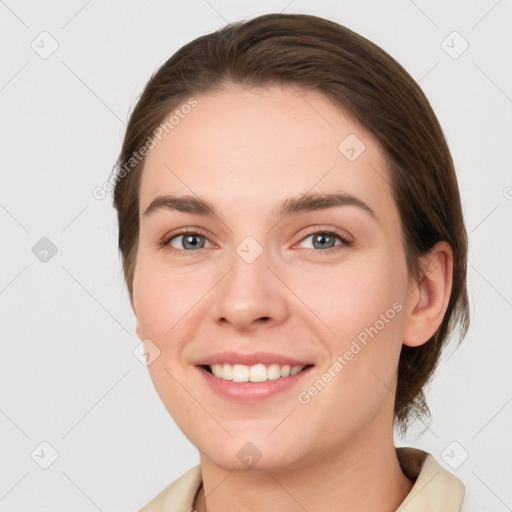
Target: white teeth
[[217, 369], [256, 373], [295, 369], [273, 372], [227, 371], [240, 373]]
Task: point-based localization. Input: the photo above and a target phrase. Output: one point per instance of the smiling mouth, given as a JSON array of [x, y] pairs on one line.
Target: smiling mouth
[[255, 373]]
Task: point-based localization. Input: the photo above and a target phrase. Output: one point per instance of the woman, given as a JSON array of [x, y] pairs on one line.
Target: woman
[[295, 253]]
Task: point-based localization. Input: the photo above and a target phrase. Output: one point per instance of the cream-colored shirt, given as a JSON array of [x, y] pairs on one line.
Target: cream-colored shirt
[[435, 489]]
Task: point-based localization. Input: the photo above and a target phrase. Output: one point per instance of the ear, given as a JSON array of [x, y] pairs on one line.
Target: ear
[[137, 326], [428, 300]]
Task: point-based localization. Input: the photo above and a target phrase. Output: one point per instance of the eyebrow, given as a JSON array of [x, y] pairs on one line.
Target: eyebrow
[[291, 206]]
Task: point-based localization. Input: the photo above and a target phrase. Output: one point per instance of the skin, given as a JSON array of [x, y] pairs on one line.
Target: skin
[[246, 150]]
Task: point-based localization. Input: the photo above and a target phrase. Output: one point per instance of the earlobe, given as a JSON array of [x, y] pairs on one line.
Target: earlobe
[[137, 327], [138, 331], [429, 300]]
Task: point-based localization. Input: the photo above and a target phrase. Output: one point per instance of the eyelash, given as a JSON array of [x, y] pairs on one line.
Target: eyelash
[[164, 243]]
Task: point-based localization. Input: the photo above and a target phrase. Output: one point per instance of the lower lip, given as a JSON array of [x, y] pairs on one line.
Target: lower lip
[[251, 391]]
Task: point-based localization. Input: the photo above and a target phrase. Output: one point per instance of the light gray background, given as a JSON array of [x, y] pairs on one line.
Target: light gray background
[[68, 373]]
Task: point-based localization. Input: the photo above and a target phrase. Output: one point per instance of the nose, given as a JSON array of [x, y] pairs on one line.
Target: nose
[[250, 295]]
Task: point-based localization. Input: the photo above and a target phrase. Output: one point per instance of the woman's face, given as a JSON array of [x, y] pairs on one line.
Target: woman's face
[[269, 280]]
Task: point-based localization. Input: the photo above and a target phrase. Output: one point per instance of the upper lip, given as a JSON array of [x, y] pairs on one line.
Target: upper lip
[[249, 359]]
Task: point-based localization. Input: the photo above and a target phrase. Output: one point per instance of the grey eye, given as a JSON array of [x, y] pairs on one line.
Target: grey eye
[[323, 240], [190, 241]]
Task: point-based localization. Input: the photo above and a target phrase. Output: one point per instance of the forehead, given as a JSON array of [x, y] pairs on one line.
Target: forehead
[[255, 146]]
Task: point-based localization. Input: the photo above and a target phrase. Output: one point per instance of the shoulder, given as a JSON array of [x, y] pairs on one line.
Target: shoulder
[[178, 496]]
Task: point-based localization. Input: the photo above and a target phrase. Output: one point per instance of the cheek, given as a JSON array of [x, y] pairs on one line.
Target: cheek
[[353, 297], [162, 299], [161, 305], [362, 307]]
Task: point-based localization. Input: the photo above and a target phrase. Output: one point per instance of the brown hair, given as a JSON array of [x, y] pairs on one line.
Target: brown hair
[[317, 54]]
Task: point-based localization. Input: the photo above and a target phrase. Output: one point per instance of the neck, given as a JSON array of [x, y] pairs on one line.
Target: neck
[[361, 475]]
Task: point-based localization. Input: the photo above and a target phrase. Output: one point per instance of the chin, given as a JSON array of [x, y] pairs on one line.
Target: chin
[[245, 455]]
